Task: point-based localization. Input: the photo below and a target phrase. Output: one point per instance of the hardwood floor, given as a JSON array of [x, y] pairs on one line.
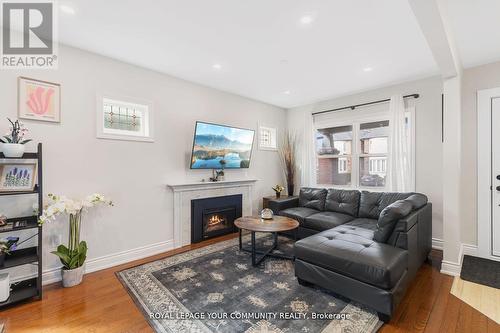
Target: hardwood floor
[[101, 304]]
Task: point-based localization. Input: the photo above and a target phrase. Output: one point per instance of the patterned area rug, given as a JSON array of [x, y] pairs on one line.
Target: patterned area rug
[[216, 289]]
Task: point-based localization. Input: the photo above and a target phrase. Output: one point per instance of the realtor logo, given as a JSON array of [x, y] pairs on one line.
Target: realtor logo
[[28, 34]]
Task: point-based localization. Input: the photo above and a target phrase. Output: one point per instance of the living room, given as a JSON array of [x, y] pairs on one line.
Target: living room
[[317, 166]]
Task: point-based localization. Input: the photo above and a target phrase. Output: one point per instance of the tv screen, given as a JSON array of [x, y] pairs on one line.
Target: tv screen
[[217, 146]]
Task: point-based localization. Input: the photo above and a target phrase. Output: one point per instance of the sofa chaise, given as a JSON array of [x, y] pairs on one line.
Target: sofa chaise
[[366, 246]]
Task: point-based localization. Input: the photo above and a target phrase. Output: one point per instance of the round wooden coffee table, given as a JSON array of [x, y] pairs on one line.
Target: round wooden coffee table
[[256, 224]]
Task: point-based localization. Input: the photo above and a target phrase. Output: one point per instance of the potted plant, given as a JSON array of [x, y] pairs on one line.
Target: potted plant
[[287, 154], [6, 245], [221, 172], [278, 189], [72, 256], [13, 142]]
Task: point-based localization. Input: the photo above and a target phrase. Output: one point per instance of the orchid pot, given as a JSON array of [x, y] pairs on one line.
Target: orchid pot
[[14, 141], [73, 256], [72, 277], [13, 149]]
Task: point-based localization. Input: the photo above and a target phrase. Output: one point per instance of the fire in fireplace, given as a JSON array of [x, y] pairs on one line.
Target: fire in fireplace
[[215, 222], [213, 217]]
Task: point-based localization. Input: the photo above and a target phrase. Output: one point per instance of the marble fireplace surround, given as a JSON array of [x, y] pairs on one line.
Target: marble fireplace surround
[[185, 192]]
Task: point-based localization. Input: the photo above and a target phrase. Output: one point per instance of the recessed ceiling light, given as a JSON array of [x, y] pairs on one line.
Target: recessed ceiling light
[[67, 9], [367, 69], [306, 19], [216, 66], [286, 92]]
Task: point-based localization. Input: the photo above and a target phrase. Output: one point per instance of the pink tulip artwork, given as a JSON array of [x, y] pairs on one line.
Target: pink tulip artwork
[[39, 100]]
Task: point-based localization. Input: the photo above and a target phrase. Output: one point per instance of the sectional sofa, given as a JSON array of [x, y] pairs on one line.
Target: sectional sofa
[[366, 246]]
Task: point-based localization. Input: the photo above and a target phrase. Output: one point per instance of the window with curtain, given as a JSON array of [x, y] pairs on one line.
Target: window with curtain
[[355, 153]]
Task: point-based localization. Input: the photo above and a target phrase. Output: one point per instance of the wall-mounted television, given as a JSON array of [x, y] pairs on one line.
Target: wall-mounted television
[[218, 146]]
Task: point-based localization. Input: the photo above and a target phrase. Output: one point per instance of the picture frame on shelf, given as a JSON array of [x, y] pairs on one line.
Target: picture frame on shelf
[[17, 177], [39, 100]]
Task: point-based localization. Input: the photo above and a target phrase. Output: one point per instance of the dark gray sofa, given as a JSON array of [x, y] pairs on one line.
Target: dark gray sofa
[[366, 246]]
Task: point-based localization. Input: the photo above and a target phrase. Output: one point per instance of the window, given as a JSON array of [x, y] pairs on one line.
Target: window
[[267, 138], [334, 148], [343, 165], [374, 147], [124, 119], [355, 153]]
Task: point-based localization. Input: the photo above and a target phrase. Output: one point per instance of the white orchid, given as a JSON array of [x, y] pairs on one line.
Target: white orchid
[[63, 205]]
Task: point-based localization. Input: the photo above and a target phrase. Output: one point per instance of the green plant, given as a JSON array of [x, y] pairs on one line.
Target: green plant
[[17, 133], [75, 254]]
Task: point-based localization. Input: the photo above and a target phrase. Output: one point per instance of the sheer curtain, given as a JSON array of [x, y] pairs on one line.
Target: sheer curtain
[[308, 155], [399, 151]]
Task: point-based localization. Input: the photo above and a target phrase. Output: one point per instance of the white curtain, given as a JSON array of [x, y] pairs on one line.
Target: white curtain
[[399, 151], [308, 155]]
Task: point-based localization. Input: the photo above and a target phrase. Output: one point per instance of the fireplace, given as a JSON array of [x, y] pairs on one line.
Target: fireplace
[[212, 217]]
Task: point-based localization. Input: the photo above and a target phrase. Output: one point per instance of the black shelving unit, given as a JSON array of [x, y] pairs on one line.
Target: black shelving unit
[[29, 288]]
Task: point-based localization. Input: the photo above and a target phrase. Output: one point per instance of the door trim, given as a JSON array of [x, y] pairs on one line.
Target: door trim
[[484, 181]]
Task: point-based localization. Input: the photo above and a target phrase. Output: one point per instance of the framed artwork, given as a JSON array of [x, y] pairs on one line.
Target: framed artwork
[[39, 100], [268, 138], [16, 177]]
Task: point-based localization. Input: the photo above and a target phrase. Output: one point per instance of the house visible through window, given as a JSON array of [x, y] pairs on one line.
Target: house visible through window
[[374, 146], [334, 149], [357, 154]]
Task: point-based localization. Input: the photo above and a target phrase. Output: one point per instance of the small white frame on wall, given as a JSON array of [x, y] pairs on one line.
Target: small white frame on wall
[[124, 118], [268, 138]]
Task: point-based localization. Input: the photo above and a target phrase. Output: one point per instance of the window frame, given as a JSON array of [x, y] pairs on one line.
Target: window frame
[[355, 121], [147, 134], [273, 138]]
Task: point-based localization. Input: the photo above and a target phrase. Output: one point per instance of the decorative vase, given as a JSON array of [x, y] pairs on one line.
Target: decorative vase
[[72, 277], [2, 258], [266, 214], [278, 194], [290, 189], [13, 149]]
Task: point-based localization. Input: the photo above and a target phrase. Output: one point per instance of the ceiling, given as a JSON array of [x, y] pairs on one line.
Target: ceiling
[[476, 29], [283, 52]]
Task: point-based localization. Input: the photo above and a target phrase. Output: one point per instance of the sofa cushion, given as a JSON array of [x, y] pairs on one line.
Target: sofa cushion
[[343, 201], [326, 220], [312, 198], [298, 213], [373, 203], [389, 217], [417, 201], [346, 250]]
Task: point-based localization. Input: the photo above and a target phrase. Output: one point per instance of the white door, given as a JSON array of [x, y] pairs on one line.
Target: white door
[[495, 177]]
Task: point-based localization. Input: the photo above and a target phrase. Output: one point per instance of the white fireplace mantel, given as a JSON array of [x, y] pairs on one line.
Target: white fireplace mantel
[[185, 192]]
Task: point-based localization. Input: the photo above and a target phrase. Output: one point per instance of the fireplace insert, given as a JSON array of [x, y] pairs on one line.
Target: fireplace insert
[[212, 217]]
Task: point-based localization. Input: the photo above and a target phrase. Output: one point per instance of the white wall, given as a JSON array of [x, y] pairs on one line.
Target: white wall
[[474, 79], [428, 133], [133, 174]]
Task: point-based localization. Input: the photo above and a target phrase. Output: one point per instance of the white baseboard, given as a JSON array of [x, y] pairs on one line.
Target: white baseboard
[[96, 264], [451, 268], [454, 268], [437, 244]]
